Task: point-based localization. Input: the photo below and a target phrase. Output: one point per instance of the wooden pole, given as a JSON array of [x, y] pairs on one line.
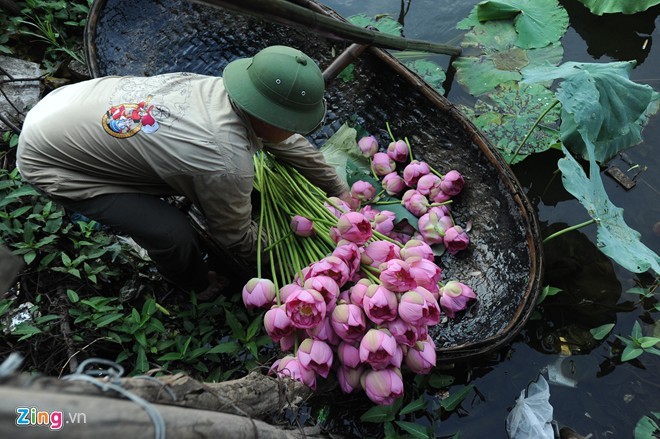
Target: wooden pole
[[290, 14]]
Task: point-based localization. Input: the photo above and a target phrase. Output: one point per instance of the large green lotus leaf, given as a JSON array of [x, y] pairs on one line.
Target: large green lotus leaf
[[600, 7], [384, 24], [481, 74], [601, 100], [430, 71], [490, 37], [537, 22], [614, 237], [507, 115], [342, 151]]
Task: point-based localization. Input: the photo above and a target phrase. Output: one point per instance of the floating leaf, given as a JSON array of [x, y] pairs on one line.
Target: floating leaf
[[603, 102], [498, 60], [430, 71], [536, 23], [454, 400], [600, 7], [602, 331], [417, 431], [384, 24], [341, 149], [507, 115], [614, 237], [647, 427]]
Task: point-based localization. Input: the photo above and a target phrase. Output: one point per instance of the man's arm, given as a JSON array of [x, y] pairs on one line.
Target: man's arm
[[309, 161]]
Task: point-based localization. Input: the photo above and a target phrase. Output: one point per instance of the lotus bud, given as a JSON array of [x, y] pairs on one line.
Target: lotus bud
[[398, 151], [348, 252], [416, 203], [426, 273], [393, 183], [403, 332], [452, 183], [306, 308], [315, 355], [382, 164], [330, 266], [363, 191], [259, 293], [383, 386], [454, 297], [456, 239], [433, 227], [379, 348], [354, 227], [413, 171], [428, 184], [291, 367], [349, 378], [380, 304], [324, 331], [357, 291], [368, 145], [395, 276], [419, 307], [384, 222], [348, 354], [349, 322], [422, 358], [327, 287], [416, 247], [301, 226], [377, 252], [277, 323], [336, 206]]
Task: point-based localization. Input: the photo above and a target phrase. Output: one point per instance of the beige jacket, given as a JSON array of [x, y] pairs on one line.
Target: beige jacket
[[171, 134]]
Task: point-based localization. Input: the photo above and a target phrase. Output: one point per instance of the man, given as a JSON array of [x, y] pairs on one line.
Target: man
[[111, 147]]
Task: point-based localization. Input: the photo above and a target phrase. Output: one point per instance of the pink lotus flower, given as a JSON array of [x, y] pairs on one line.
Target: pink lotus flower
[[416, 203], [418, 248], [383, 386], [393, 183], [368, 145], [305, 308], [349, 354], [456, 239], [452, 183], [291, 367], [369, 212], [363, 191], [419, 307], [428, 184], [433, 227], [454, 297], [413, 171], [421, 358], [348, 252], [259, 293], [403, 332], [323, 331], [398, 151], [379, 348], [377, 252], [384, 222], [382, 164], [357, 291], [349, 322], [327, 287], [301, 226], [395, 276], [277, 323], [426, 273], [439, 196], [288, 342], [315, 355], [337, 206], [354, 227], [349, 378], [330, 266], [380, 304]]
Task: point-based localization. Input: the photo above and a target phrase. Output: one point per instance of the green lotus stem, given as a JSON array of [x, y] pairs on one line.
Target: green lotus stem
[[410, 153], [529, 133], [441, 204], [382, 237], [262, 214], [387, 202], [389, 130], [270, 247], [569, 229]]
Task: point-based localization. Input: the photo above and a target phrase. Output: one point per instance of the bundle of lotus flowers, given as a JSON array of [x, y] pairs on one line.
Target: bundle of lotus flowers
[[352, 289]]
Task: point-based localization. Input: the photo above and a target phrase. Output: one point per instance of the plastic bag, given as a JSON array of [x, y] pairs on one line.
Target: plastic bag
[[531, 417]]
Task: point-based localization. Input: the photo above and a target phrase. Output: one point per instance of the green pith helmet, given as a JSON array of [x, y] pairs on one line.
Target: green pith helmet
[[280, 86]]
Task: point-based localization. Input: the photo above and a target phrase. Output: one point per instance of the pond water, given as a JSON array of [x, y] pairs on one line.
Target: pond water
[[597, 395]]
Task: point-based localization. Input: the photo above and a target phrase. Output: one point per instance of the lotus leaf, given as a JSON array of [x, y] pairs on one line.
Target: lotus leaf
[[600, 7], [430, 71], [614, 237], [601, 100], [342, 149], [384, 24], [507, 115], [538, 23]]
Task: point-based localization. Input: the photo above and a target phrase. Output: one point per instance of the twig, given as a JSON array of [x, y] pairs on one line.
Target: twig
[[65, 328], [10, 124], [79, 351]]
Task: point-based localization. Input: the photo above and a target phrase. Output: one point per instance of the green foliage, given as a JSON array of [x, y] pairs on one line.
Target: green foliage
[[599, 102], [637, 344], [647, 427], [602, 331], [546, 292], [600, 7], [430, 71], [383, 23]]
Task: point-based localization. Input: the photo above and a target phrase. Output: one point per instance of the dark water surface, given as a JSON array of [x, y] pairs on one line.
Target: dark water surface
[[597, 394]]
